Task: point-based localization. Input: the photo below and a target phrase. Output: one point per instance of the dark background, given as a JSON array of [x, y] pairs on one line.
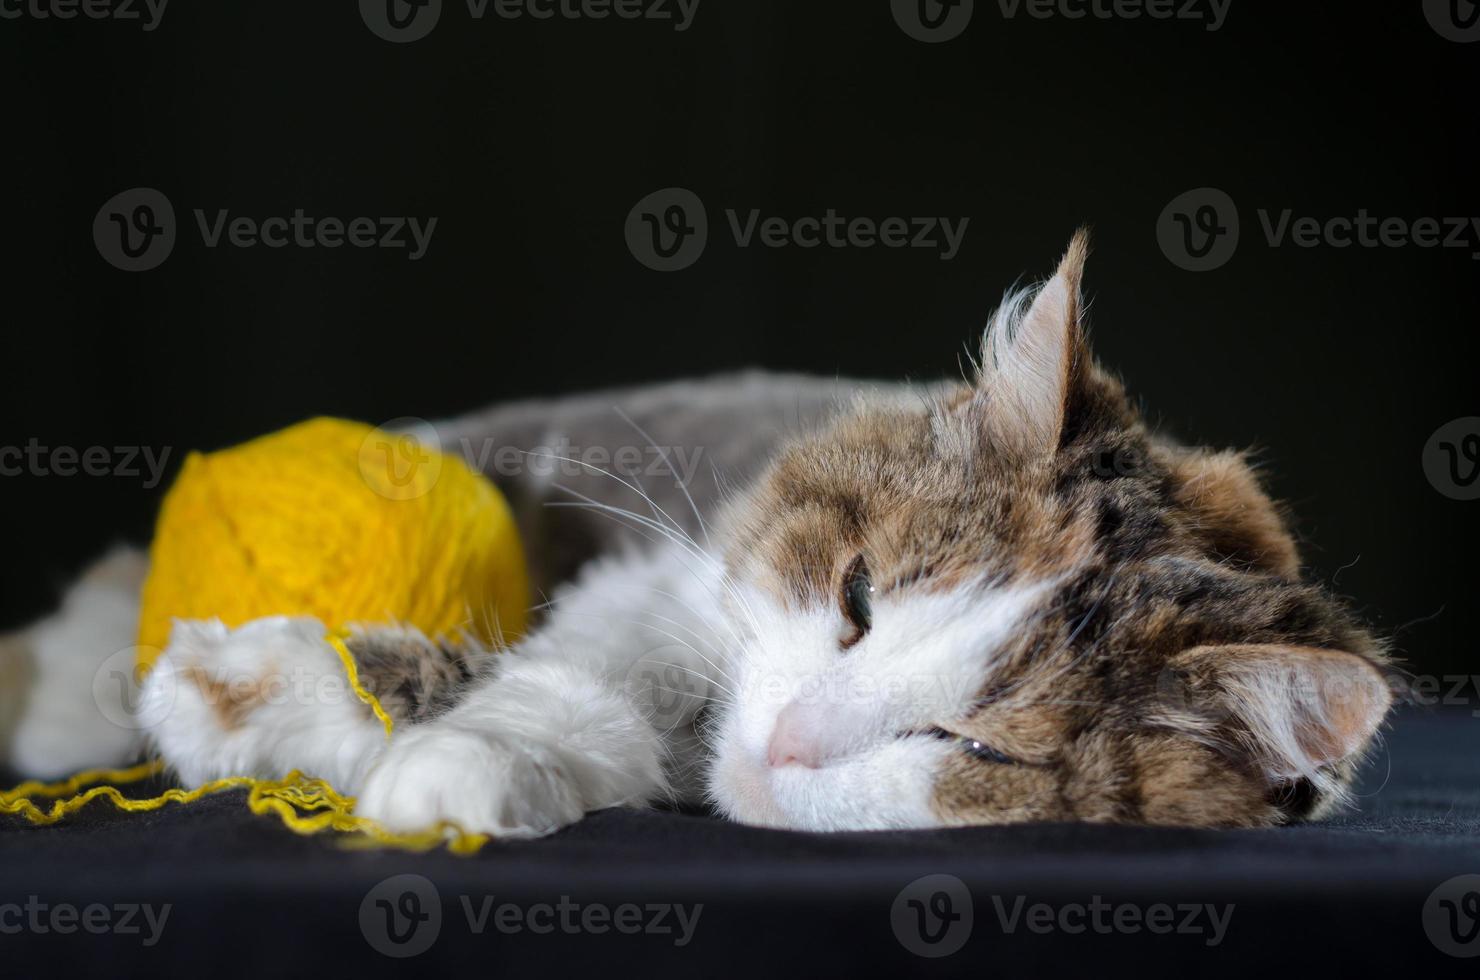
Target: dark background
[[531, 140]]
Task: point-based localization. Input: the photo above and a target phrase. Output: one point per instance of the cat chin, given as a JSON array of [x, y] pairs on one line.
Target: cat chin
[[891, 787]]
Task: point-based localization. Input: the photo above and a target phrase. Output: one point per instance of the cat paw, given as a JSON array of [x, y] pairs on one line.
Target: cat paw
[[260, 700], [437, 772]]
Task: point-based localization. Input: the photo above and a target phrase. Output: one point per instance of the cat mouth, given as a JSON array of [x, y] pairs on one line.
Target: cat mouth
[[882, 785], [779, 759]]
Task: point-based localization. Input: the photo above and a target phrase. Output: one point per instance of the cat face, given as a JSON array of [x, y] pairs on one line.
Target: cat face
[[1013, 603]]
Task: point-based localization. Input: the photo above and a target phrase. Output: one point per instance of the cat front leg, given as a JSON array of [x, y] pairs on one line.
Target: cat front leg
[[564, 723], [532, 751]]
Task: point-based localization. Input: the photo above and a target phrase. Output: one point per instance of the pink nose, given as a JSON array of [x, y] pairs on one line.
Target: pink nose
[[792, 741]]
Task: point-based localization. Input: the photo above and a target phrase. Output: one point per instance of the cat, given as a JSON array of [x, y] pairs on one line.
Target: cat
[[984, 602]]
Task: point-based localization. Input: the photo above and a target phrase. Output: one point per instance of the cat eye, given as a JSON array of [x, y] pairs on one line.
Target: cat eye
[[983, 752], [975, 748], [857, 600]]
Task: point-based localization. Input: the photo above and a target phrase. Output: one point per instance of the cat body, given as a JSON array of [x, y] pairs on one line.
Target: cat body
[[871, 606]]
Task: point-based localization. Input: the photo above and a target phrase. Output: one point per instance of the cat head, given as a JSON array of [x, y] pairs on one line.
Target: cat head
[[1010, 602]]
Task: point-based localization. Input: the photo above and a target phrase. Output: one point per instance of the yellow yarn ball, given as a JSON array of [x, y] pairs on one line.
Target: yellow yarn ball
[[340, 521]]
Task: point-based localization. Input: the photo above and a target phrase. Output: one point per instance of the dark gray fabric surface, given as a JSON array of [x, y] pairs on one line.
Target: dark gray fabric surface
[[1349, 894]]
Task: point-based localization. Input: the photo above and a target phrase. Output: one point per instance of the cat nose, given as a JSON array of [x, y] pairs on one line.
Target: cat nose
[[793, 741]]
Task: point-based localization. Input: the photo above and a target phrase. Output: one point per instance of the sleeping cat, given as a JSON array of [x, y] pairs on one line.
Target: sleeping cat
[[994, 601]]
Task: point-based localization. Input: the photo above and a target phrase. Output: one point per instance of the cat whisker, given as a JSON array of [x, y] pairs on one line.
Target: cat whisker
[[726, 655], [687, 545], [635, 488], [692, 632], [663, 454], [717, 668], [677, 537], [731, 699], [672, 636]]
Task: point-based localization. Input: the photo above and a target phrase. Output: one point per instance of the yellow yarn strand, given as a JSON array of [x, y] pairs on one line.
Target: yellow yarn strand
[[337, 640], [303, 804], [18, 800], [75, 784]]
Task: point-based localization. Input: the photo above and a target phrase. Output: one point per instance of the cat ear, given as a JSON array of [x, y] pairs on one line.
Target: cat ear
[[1030, 354], [1296, 709], [1235, 519]]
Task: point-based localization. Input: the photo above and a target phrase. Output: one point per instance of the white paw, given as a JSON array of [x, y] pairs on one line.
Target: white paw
[[439, 772], [260, 700]]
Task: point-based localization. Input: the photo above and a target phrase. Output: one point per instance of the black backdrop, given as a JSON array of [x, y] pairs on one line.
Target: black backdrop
[[530, 140]]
